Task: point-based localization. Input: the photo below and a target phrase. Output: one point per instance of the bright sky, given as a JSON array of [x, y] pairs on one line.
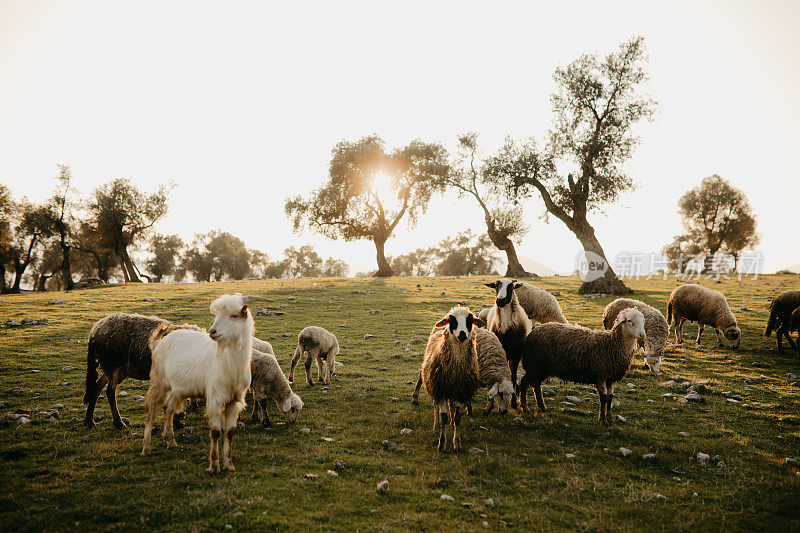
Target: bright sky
[[240, 104]]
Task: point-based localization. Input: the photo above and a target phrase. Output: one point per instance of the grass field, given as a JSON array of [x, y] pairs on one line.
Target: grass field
[[61, 476]]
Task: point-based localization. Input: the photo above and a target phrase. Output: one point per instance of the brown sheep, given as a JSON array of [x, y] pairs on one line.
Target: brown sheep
[[450, 370], [780, 311], [707, 307], [582, 355]]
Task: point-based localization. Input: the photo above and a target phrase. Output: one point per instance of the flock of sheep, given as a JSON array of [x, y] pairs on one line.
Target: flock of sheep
[[465, 351]]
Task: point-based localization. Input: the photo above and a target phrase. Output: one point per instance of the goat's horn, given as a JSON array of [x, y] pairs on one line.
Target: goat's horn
[[248, 299]]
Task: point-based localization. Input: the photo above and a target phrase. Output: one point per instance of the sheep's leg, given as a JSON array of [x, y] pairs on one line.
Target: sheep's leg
[[469, 408], [215, 422], [523, 393], [537, 389], [778, 334], [719, 338], [609, 401], [601, 391], [415, 394], [308, 362], [789, 339], [679, 330], [321, 373], [173, 404], [435, 417], [700, 332], [442, 410], [231, 416], [88, 420], [455, 410], [256, 407], [297, 354], [514, 365], [266, 422], [111, 393]]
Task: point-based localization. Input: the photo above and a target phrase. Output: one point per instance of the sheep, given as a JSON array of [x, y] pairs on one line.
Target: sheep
[[582, 355], [119, 344], [780, 311], [269, 382], [794, 326], [510, 323], [483, 314], [450, 370], [320, 345], [213, 365], [493, 373], [539, 305], [706, 307], [655, 327]]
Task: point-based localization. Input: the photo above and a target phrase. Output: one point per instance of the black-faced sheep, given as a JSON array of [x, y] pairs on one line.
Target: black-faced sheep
[[269, 383], [316, 344], [214, 366], [493, 373], [582, 355], [655, 327], [510, 323], [450, 370], [780, 311], [707, 307]]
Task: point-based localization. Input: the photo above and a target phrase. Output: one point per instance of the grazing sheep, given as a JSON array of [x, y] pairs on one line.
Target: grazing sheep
[[450, 370], [707, 307], [213, 365], [510, 323], [320, 345], [268, 382], [794, 326], [483, 314], [655, 327], [539, 305], [262, 346], [119, 344], [582, 355], [780, 310], [493, 373]]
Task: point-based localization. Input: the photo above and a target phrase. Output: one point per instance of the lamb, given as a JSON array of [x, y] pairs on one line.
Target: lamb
[[510, 323], [213, 365], [450, 370], [706, 307], [539, 305], [582, 355], [655, 327], [780, 312], [269, 382], [320, 345], [493, 373]]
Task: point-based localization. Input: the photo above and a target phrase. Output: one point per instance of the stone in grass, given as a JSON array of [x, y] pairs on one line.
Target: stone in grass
[[382, 487], [489, 503], [475, 450], [389, 446], [311, 476], [573, 399], [570, 456], [139, 398], [338, 464], [660, 497], [789, 461], [683, 433], [369, 336], [327, 439], [694, 396], [625, 452], [702, 458], [649, 457], [305, 430], [123, 393], [447, 498], [406, 432], [333, 473], [621, 419]]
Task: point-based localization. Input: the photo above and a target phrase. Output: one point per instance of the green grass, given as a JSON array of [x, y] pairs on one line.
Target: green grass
[[60, 476]]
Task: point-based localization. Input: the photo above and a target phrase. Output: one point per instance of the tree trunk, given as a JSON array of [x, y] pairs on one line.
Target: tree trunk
[[384, 269], [66, 271], [128, 270], [18, 271], [41, 282], [606, 280], [3, 287]]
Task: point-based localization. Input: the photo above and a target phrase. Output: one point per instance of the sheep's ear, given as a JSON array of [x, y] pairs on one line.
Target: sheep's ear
[[517, 285], [493, 391], [442, 322], [491, 285], [244, 310], [287, 405], [478, 322], [620, 318]]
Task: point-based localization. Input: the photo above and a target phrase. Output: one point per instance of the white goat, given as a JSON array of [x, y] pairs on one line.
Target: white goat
[[213, 365]]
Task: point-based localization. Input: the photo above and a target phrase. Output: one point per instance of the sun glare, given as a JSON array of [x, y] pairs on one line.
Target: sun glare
[[383, 188]]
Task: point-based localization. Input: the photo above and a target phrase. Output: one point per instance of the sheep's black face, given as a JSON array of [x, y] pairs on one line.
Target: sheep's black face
[[504, 289], [460, 326]]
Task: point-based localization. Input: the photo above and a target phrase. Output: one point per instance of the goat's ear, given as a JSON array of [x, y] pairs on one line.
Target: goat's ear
[[478, 322], [491, 285], [442, 322], [244, 310]]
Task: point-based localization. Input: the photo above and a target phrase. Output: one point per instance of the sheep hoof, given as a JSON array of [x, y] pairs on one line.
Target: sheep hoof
[[119, 424], [213, 468], [171, 443], [145, 452], [266, 424], [414, 401], [89, 423], [229, 467]]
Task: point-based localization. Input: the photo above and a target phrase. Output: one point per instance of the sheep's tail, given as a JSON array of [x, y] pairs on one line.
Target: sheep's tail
[[91, 374], [772, 323], [669, 314], [160, 331]]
